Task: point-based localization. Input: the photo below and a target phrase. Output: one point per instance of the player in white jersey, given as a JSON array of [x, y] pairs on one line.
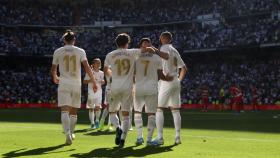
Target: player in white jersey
[[69, 58], [94, 100], [148, 70], [107, 101], [122, 62], [169, 92]]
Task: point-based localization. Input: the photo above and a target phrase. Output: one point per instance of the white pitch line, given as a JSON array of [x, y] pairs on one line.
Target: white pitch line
[[227, 138]]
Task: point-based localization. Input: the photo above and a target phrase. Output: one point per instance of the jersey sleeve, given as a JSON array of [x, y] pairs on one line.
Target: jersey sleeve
[[83, 56], [159, 63], [55, 58], [107, 61], [180, 61], [136, 53]]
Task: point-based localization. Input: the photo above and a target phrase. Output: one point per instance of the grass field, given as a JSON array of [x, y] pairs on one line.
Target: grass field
[[38, 133]]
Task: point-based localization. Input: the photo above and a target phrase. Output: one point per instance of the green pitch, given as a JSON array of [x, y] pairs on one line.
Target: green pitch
[[38, 133]]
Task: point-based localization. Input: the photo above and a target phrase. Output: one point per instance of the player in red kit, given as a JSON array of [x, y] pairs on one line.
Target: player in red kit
[[204, 97], [236, 98], [255, 97]]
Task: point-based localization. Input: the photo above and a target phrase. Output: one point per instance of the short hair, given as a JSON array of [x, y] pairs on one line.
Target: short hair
[[69, 36], [95, 60], [167, 34], [122, 39], [144, 40]]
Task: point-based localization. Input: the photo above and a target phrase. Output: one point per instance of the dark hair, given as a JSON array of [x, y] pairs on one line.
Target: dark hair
[[167, 34], [122, 39], [68, 36], [144, 40]]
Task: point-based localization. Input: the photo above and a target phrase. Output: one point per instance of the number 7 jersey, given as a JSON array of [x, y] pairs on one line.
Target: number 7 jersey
[[122, 65], [69, 59], [146, 74]]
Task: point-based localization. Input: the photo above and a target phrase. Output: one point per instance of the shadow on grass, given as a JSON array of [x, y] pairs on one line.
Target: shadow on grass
[[33, 152], [98, 133], [124, 152]]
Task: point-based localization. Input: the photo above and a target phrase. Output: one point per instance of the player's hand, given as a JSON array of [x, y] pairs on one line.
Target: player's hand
[[169, 78], [150, 50], [56, 80], [156, 50], [94, 87]]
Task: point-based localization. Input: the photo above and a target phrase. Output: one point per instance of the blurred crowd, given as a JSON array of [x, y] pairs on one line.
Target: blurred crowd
[[186, 37], [66, 12], [32, 84], [263, 75]]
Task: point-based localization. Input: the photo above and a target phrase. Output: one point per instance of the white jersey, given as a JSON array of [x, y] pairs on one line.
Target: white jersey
[[172, 65], [146, 78], [122, 66], [69, 59], [99, 77]]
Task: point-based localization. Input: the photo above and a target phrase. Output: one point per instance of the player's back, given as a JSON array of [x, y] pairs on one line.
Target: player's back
[[146, 77], [69, 59], [174, 62], [122, 66]]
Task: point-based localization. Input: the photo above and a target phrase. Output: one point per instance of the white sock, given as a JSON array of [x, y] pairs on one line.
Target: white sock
[[91, 116], [159, 123], [138, 124], [151, 127], [177, 121], [104, 115], [114, 120], [125, 126], [109, 122], [97, 115], [73, 121], [65, 120], [130, 119]]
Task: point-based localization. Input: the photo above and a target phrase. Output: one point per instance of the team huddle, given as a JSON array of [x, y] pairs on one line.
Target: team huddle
[[135, 78]]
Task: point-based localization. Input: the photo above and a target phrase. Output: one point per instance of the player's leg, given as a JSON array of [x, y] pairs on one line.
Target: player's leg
[[113, 109], [105, 113], [138, 106], [90, 107], [126, 103], [97, 111], [76, 104], [73, 121], [130, 119], [163, 98], [64, 102], [151, 108], [175, 102]]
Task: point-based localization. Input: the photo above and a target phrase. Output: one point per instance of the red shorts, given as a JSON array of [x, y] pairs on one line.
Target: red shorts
[[205, 101]]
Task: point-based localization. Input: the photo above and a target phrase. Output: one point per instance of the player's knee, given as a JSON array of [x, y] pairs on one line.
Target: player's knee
[[125, 113], [175, 110], [160, 110], [151, 114]]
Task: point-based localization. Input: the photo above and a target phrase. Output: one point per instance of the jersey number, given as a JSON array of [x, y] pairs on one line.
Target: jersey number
[[146, 65], [123, 66], [70, 64]]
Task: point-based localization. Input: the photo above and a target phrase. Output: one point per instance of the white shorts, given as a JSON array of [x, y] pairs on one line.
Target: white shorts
[[94, 102], [169, 95], [69, 95], [150, 102], [121, 101]]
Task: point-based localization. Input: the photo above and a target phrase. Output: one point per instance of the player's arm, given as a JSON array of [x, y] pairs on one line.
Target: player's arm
[[90, 74], [183, 72], [163, 77], [86, 81], [54, 74], [161, 54]]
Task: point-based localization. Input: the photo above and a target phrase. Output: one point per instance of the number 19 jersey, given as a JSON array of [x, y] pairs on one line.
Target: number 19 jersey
[[69, 59], [122, 65]]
